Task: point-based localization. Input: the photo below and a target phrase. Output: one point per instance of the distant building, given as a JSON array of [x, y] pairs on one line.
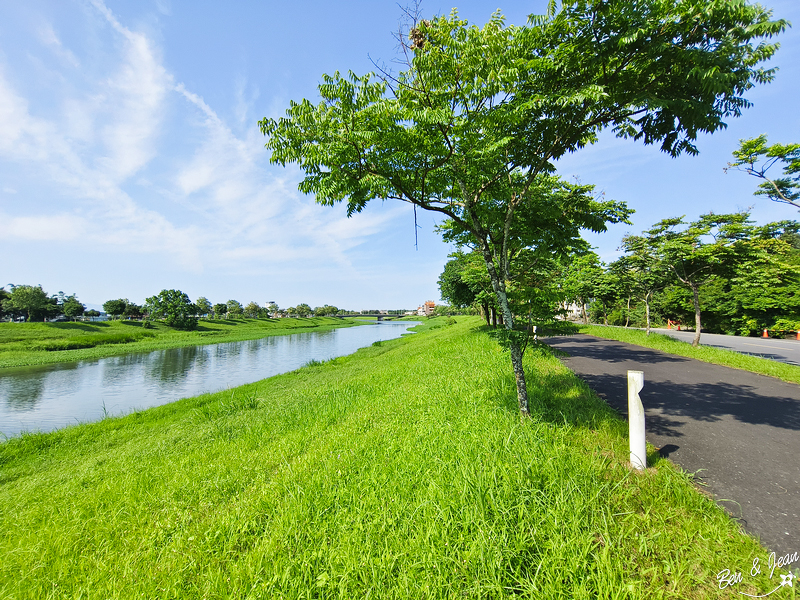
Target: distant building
[[426, 310]]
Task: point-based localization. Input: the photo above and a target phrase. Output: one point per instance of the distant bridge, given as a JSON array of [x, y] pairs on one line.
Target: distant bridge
[[379, 316]]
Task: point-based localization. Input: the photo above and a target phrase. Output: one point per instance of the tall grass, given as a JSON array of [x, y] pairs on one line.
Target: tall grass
[[402, 471], [709, 354]]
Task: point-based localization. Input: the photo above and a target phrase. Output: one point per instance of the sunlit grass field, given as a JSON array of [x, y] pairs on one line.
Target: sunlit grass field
[[717, 356], [402, 471], [24, 344]]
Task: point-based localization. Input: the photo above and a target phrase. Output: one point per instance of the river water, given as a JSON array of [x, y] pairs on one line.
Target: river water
[[44, 398]]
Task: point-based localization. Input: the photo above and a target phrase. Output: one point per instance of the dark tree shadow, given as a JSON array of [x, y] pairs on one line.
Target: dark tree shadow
[[704, 402], [94, 326]]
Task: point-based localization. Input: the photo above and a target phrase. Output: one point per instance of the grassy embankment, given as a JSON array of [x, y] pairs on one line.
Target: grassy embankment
[[401, 471], [709, 354], [23, 344]]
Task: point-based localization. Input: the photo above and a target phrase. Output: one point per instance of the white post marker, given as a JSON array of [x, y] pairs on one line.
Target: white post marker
[[636, 420]]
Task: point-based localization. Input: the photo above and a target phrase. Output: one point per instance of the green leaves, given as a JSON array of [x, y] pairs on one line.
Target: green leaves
[[749, 159], [174, 307]]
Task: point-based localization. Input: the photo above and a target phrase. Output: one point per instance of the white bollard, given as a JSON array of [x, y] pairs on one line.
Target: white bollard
[[636, 420]]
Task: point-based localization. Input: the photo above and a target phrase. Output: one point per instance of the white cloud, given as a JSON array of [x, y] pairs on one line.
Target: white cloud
[[48, 37], [63, 227], [139, 86], [209, 201]]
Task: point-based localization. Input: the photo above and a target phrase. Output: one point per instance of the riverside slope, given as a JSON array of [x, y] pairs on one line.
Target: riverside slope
[[401, 471]]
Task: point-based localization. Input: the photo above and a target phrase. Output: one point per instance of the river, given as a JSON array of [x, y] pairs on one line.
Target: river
[[44, 398]]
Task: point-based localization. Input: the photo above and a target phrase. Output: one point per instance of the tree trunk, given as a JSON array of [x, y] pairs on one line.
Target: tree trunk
[[647, 312], [583, 312], [494, 318], [697, 328], [508, 323], [486, 315], [628, 313]]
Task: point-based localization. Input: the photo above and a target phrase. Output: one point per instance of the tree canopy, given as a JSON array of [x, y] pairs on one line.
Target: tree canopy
[[30, 301], [471, 128], [174, 307]]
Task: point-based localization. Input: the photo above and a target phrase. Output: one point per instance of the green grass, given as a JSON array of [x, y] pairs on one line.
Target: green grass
[[23, 344], [402, 471], [709, 354]]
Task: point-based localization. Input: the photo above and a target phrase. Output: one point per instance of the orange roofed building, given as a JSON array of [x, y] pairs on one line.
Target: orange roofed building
[[426, 310]]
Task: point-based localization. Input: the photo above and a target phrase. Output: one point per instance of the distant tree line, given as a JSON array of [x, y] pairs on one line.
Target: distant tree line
[[720, 273], [31, 302], [173, 307]]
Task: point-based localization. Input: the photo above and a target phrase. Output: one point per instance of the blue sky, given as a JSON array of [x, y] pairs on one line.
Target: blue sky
[[131, 160]]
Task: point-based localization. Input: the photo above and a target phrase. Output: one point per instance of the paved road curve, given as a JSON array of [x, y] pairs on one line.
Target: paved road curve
[[738, 431]]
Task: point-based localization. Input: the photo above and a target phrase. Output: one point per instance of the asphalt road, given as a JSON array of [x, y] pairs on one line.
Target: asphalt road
[[787, 351], [738, 432]]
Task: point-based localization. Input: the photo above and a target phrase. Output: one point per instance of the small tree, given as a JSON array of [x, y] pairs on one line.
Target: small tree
[[204, 307], [72, 308], [303, 310], [115, 308], [274, 309], [452, 287], [252, 310], [580, 280], [174, 307], [235, 309], [133, 311], [220, 310]]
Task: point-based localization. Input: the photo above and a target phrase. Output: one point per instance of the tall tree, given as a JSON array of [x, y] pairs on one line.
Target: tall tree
[[478, 116], [644, 269], [174, 307], [204, 306], [710, 246], [755, 158], [30, 301]]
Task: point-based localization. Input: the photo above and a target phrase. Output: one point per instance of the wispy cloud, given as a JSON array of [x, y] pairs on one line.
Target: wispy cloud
[[207, 199], [48, 37]]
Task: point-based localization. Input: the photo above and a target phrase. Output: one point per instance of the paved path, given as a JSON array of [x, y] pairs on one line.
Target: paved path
[[787, 351], [737, 431]]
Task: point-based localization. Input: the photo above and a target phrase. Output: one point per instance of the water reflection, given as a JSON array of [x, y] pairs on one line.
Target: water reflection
[[169, 366], [47, 397]]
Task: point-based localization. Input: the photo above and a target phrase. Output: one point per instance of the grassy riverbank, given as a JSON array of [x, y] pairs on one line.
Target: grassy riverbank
[[709, 354], [401, 471], [23, 344]]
